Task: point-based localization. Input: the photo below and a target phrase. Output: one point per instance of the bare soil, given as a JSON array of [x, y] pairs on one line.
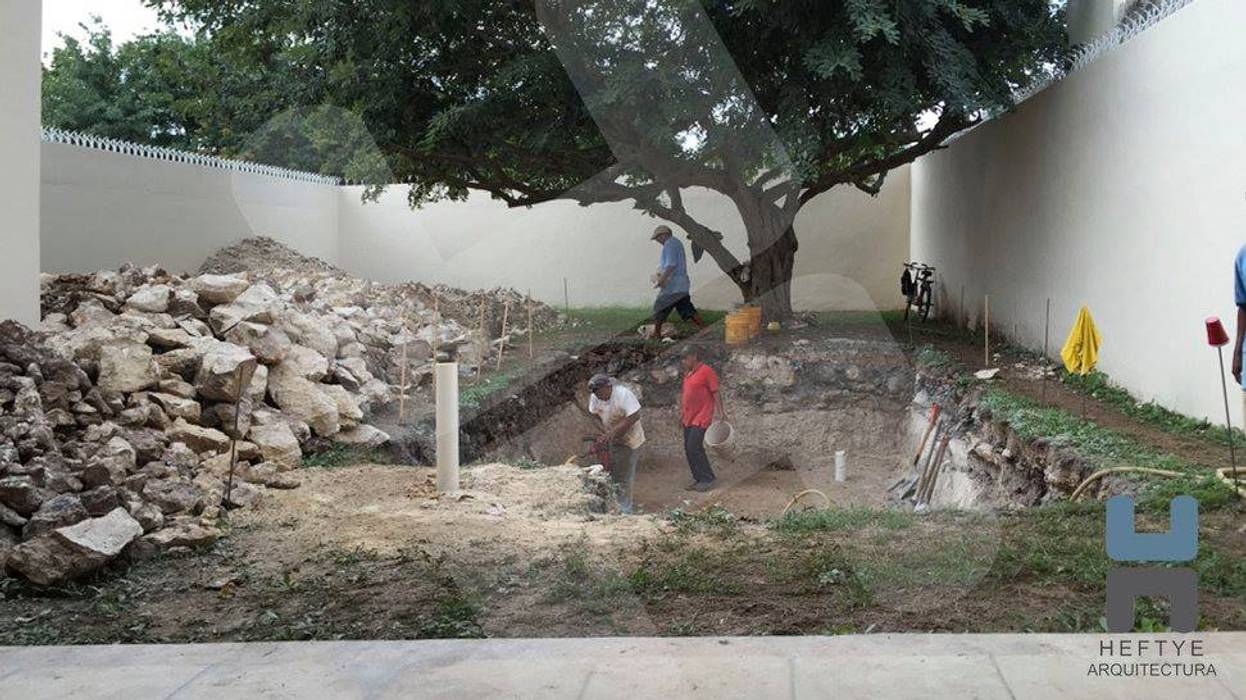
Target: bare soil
[[370, 552]]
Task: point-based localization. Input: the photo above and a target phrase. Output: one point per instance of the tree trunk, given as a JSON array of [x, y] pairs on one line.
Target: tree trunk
[[770, 272]]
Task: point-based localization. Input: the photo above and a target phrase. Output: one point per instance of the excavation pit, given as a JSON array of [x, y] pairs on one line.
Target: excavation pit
[[791, 407]]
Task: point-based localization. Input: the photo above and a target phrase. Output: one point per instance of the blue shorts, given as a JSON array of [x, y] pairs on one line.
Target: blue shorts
[[680, 302]]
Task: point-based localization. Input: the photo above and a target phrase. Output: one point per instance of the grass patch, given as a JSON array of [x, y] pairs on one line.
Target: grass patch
[[454, 617], [596, 590], [931, 357], [850, 518], [472, 396], [1107, 448], [689, 570], [1099, 386], [1062, 542], [624, 319], [346, 456], [715, 519]]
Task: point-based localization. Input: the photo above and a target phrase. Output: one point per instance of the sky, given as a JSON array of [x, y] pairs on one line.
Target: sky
[[126, 18]]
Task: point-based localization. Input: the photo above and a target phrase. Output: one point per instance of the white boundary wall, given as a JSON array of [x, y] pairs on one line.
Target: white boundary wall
[[851, 247], [1121, 187], [102, 208], [19, 159]]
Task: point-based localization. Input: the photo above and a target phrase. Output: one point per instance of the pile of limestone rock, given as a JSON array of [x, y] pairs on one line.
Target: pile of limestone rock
[[120, 417]]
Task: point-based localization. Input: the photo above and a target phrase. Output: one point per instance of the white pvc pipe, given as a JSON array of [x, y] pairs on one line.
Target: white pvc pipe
[[447, 427], [841, 465]]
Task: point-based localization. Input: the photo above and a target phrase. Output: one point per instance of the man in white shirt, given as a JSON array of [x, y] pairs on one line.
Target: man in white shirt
[[619, 411]]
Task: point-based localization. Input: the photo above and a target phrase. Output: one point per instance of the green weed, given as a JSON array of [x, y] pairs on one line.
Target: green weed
[[850, 518]]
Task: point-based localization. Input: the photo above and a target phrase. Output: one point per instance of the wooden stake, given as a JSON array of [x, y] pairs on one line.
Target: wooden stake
[[964, 315], [506, 312], [930, 424], [402, 384], [233, 445], [483, 340], [531, 351], [1046, 336], [934, 472], [436, 325], [986, 329], [566, 297]]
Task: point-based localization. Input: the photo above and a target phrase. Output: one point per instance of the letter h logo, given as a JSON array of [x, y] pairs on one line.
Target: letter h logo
[[1125, 584]]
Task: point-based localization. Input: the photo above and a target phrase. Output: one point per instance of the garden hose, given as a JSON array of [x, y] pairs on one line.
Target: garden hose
[[1104, 472], [801, 495]]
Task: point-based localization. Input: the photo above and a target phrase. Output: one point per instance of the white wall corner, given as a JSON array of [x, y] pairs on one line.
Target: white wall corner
[[20, 75]]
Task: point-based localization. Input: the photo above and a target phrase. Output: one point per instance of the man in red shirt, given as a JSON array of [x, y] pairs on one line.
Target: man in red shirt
[[697, 401]]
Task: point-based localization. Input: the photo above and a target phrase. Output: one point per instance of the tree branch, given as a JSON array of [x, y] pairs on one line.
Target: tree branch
[[862, 171]]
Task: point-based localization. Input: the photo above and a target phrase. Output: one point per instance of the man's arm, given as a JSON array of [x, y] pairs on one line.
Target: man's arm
[[1237, 346], [663, 276], [622, 427]]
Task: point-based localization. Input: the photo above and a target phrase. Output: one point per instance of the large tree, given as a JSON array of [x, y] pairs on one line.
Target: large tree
[[769, 102]]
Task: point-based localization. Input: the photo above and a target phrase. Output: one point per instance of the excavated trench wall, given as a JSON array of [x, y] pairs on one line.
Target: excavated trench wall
[[792, 405], [987, 464]]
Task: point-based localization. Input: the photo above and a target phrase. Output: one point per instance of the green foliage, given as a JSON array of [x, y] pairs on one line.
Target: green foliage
[[190, 93], [1099, 385], [453, 618], [1107, 448], [931, 357], [474, 395], [850, 518], [769, 101], [143, 90], [714, 519]]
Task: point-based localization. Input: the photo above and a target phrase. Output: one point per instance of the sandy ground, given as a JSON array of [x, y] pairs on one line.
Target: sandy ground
[[501, 510], [775, 456]]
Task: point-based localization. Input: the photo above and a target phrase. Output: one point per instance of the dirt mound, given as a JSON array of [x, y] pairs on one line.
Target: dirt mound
[[261, 254], [265, 259]]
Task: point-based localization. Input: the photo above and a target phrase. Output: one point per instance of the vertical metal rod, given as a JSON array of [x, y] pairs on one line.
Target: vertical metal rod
[[1228, 423], [402, 383], [1046, 338], [964, 314], [566, 297], [506, 312], [986, 330], [484, 340]]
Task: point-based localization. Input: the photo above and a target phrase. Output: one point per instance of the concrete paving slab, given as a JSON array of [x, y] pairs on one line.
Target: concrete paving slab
[[905, 666]]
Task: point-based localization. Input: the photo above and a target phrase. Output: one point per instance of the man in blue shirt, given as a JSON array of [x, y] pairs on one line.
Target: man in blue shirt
[[672, 283], [1239, 298]]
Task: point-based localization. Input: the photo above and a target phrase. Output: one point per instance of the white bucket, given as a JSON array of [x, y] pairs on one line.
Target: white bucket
[[720, 437]]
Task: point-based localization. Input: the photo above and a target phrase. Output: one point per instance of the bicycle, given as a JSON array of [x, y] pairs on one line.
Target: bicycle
[[918, 292]]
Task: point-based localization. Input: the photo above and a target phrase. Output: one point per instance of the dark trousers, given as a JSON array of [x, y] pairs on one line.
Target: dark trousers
[[694, 450]]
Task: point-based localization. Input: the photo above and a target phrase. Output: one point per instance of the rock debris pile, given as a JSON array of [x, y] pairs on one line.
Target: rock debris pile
[[119, 414]]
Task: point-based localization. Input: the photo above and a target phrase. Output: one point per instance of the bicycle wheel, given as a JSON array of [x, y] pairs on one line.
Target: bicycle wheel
[[925, 301]]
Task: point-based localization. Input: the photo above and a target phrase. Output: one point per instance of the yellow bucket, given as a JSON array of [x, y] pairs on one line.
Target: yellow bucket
[[753, 315], [737, 329]]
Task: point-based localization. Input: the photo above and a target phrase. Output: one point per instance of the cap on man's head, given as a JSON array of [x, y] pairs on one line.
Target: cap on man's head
[[690, 351], [661, 230], [598, 381]]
